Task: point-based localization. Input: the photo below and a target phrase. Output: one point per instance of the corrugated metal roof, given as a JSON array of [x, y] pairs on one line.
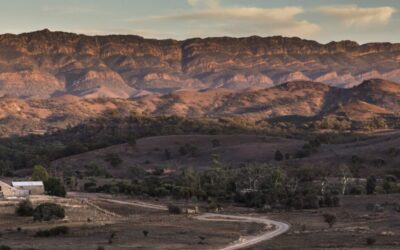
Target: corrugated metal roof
[[27, 183]]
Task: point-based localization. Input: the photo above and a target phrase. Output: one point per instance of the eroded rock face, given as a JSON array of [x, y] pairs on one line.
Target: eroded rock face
[[46, 63]]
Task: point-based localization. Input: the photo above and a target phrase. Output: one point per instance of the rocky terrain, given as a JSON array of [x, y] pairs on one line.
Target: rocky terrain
[[47, 64], [301, 99]]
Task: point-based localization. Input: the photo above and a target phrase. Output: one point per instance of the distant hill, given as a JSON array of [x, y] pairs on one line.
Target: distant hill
[[295, 100], [46, 64]]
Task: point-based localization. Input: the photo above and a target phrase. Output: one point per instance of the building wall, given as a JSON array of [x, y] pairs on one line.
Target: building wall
[[35, 190]]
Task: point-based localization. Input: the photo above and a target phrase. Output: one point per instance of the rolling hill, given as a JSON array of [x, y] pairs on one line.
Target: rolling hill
[[300, 99]]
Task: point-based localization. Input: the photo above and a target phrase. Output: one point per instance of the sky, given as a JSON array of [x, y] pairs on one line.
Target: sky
[[322, 20]]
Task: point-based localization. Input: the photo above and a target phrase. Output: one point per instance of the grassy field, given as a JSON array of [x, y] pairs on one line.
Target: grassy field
[[90, 228], [355, 223]]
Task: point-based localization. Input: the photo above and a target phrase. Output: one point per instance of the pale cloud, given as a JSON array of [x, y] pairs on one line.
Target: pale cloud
[[240, 21], [353, 15], [204, 3]]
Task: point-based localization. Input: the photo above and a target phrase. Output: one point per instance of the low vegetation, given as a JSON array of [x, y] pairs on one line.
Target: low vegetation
[[48, 211], [52, 232], [24, 208]]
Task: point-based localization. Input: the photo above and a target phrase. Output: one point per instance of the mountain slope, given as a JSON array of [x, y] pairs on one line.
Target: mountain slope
[[44, 63], [300, 100]]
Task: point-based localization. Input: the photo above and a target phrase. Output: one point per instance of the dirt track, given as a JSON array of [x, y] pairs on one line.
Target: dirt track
[[278, 227]]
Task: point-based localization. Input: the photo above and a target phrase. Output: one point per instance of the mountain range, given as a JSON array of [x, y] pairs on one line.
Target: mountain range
[[46, 64], [302, 99]]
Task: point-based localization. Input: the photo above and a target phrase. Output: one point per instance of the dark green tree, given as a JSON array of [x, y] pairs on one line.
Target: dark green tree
[[39, 173], [278, 156], [371, 185], [54, 187]]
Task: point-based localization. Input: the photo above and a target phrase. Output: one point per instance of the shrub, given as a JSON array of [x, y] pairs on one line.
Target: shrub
[[330, 219], [311, 202], [48, 211], [4, 247], [371, 185], [215, 143], [370, 241], [145, 233], [24, 208], [114, 160], [56, 231], [335, 201], [172, 209], [90, 186], [278, 156]]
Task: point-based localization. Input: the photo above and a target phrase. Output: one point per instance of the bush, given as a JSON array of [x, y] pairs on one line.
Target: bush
[[370, 241], [172, 209], [215, 143], [48, 211], [330, 219], [4, 247], [54, 187], [56, 231], [278, 156], [311, 202], [24, 208]]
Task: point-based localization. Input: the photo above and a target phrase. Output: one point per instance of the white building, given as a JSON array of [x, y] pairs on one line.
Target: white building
[[19, 189]]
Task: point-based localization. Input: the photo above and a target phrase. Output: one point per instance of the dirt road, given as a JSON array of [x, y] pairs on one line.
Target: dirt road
[[278, 227]]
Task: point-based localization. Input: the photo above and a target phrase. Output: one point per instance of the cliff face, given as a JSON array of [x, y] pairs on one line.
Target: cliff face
[[45, 63]]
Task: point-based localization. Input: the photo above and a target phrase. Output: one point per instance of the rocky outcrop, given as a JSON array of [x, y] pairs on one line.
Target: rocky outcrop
[[46, 63]]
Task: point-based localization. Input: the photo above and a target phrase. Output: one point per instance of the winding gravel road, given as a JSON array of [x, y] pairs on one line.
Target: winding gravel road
[[278, 229]]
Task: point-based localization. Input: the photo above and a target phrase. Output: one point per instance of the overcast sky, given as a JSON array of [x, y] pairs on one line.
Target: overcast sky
[[321, 20]]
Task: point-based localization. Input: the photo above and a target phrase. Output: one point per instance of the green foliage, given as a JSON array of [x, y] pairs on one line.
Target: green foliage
[[6, 168], [55, 231], [278, 156], [48, 211], [24, 208], [371, 185], [114, 159], [5, 247], [92, 169], [39, 173], [172, 209], [54, 187]]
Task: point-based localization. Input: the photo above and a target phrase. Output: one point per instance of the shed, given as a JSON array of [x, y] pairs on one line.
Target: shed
[[33, 187]]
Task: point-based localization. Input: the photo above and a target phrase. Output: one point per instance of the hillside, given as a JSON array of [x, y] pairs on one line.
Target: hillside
[[298, 100], [376, 154], [47, 64]]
